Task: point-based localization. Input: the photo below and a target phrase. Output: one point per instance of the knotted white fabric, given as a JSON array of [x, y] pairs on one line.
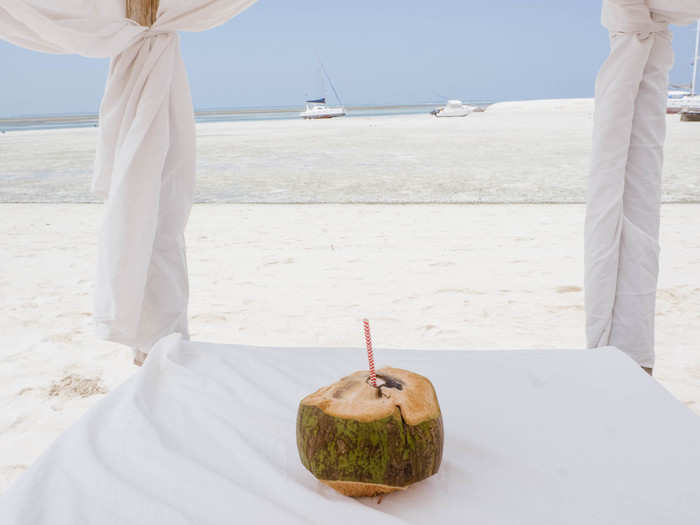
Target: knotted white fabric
[[145, 165], [624, 192]]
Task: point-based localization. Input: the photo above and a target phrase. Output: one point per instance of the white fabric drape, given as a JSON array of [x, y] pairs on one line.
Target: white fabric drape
[[673, 11], [624, 192], [205, 435], [145, 164]]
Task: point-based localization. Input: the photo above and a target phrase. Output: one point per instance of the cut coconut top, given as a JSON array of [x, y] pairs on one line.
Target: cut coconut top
[[353, 397]]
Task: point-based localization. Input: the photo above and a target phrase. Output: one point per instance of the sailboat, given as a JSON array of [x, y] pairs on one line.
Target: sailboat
[[690, 111], [318, 109]]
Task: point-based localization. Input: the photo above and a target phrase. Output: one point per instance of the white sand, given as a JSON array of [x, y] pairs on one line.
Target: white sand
[[535, 151], [428, 276]]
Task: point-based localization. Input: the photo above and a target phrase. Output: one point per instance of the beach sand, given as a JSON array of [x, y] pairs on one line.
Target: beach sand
[[428, 276], [463, 276], [535, 151]]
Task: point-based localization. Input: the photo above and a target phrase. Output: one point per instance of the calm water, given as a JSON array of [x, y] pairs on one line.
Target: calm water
[[37, 122]]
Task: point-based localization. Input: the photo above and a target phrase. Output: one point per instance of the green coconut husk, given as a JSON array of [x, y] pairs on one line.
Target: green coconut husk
[[363, 440]]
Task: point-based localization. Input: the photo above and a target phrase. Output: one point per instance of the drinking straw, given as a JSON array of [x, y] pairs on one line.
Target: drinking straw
[[370, 354]]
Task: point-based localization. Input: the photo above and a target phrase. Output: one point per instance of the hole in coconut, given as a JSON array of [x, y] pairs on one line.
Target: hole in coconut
[[387, 382]]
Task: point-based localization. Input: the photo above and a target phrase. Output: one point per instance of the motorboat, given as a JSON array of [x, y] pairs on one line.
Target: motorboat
[[454, 108], [690, 110], [318, 108], [690, 105], [675, 101]]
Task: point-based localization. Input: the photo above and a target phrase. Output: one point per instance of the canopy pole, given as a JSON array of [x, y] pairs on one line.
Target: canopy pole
[[143, 11], [695, 61]]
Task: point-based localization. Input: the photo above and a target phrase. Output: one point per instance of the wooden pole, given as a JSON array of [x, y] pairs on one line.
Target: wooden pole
[[143, 11]]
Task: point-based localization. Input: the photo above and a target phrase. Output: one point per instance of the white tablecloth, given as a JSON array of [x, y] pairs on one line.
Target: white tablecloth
[[205, 434]]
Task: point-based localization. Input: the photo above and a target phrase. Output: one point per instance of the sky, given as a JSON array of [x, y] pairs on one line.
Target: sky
[[376, 52]]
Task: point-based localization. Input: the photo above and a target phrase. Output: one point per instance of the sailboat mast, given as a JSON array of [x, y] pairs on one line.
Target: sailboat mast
[[323, 68], [695, 60]]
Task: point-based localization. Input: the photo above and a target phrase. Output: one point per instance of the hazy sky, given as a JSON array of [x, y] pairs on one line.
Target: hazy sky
[[376, 51]]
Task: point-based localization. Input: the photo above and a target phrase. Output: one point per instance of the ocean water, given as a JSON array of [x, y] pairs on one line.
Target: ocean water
[[88, 120], [529, 152]]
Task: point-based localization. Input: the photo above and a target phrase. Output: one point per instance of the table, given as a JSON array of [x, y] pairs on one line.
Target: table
[[205, 434]]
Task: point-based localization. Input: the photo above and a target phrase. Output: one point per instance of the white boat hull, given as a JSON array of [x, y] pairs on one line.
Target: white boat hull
[[674, 106], [675, 101], [454, 108], [320, 113], [453, 113], [690, 109]]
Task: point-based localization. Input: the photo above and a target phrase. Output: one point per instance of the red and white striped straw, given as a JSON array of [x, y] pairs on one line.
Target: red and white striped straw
[[370, 354]]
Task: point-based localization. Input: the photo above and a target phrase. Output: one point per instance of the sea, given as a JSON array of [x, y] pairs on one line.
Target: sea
[[86, 120]]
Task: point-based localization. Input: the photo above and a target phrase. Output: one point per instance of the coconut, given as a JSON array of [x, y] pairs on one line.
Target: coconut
[[363, 440]]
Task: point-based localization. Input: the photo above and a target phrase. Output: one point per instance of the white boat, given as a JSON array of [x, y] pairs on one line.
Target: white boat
[[690, 110], [690, 105], [675, 101], [319, 109], [454, 108]]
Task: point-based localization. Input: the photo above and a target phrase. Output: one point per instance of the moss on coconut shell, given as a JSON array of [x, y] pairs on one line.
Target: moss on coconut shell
[[375, 450]]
